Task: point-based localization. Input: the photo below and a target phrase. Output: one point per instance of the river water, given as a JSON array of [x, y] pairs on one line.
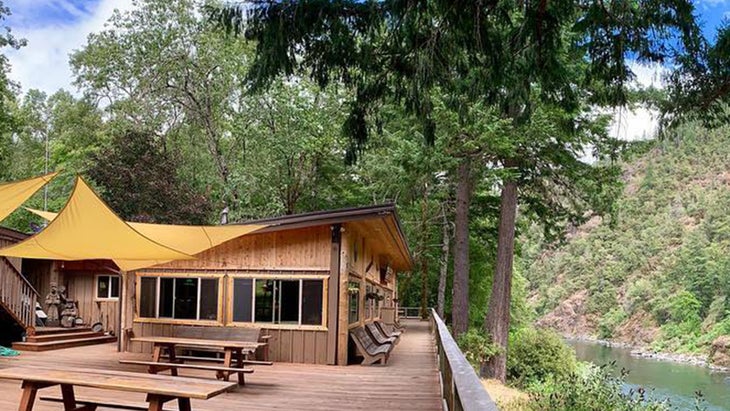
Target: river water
[[662, 379]]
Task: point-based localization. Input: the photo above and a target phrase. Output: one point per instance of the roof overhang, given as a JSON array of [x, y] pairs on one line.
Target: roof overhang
[[386, 213]]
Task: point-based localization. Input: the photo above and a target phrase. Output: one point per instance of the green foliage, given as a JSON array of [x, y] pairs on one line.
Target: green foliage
[[477, 346], [664, 256], [610, 322], [536, 356], [592, 389], [141, 183]]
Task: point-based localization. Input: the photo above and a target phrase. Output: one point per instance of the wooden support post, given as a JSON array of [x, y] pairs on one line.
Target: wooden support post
[[27, 398], [183, 404], [69, 399], [239, 364], [157, 401]]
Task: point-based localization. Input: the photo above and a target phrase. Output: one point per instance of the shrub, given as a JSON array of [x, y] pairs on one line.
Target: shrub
[[610, 322], [536, 356], [477, 346], [594, 389]]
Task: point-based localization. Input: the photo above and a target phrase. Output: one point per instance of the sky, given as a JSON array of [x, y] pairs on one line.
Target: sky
[[54, 28]]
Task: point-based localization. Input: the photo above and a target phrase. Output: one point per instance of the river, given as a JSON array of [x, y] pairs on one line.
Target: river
[[662, 379]]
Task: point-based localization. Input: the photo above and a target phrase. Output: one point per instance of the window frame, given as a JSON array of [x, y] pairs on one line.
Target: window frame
[[109, 290], [167, 320], [270, 325], [354, 280]]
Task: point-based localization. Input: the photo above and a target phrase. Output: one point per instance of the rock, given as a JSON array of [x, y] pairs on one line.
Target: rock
[[720, 351], [569, 318]]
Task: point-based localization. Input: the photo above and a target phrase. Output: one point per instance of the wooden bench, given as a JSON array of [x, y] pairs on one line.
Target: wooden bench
[[371, 351], [387, 330], [91, 404], [378, 336], [246, 334], [159, 389], [156, 367], [234, 354], [216, 359]]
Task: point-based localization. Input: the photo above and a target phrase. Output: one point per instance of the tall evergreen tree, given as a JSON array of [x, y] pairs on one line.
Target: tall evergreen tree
[[509, 56]]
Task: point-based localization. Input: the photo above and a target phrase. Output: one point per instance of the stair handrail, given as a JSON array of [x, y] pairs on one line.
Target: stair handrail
[[22, 308], [22, 277]]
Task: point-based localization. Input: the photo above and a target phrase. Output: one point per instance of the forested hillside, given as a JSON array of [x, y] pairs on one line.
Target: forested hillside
[[657, 273]]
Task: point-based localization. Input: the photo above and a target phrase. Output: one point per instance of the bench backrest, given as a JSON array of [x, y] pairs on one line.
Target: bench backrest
[[377, 335], [364, 340], [386, 329], [217, 333]]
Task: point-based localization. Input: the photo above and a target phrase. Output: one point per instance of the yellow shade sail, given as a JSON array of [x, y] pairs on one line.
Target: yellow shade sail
[[87, 229], [12, 195], [188, 239]]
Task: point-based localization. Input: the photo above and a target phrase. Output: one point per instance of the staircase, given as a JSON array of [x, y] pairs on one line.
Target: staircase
[[17, 298], [56, 338]]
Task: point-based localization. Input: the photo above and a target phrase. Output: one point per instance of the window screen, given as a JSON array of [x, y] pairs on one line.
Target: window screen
[[242, 298], [208, 299], [312, 302], [147, 297]]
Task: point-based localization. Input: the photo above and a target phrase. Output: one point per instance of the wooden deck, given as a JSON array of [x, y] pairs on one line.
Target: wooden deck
[[409, 382]]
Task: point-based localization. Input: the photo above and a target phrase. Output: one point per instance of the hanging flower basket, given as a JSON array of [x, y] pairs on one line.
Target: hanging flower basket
[[371, 296], [353, 290]]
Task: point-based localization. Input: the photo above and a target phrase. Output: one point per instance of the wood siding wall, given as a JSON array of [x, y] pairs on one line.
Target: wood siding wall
[[360, 260], [82, 288], [306, 249]]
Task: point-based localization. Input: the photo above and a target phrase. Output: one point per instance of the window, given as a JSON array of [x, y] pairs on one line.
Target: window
[[278, 301], [353, 289], [183, 298], [107, 287]]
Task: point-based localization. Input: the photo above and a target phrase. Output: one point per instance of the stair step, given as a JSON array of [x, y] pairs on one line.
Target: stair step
[[57, 345], [63, 336], [59, 330]]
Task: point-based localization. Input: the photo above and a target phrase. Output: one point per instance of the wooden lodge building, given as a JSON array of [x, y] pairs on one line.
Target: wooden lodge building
[[305, 280]]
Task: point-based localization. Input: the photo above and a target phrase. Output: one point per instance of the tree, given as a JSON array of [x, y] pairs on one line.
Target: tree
[[169, 73], [58, 133], [140, 182], [700, 86], [8, 90], [508, 56]]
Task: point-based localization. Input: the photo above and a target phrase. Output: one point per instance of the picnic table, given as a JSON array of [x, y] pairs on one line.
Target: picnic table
[[159, 388], [234, 359]]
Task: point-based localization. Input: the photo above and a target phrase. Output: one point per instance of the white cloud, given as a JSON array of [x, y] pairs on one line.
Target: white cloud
[[43, 63], [639, 123]]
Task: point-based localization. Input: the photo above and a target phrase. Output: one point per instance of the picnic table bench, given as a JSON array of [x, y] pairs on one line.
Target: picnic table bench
[[253, 335], [158, 388], [234, 359]]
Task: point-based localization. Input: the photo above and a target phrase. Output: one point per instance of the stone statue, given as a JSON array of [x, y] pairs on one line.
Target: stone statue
[[53, 300], [62, 294], [69, 314]]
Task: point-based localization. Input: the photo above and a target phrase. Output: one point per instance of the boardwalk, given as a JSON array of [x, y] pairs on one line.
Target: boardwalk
[[409, 381]]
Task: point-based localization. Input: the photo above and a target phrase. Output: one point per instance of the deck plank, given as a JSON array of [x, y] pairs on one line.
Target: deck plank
[[409, 381]]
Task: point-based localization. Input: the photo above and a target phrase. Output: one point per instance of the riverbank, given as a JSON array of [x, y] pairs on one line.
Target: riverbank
[[644, 352], [682, 384]]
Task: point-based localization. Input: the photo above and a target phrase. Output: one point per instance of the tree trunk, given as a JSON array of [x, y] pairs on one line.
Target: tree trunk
[[460, 305], [424, 257], [497, 321], [444, 269]]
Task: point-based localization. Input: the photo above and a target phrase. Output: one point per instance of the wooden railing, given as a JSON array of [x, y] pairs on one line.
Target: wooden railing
[[409, 312], [17, 295], [461, 388]]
